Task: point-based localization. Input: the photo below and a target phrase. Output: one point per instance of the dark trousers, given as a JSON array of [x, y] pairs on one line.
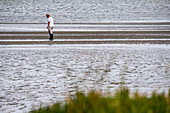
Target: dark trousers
[[50, 33]]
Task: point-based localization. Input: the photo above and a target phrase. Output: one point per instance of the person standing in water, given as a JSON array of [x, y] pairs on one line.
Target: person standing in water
[[50, 26]]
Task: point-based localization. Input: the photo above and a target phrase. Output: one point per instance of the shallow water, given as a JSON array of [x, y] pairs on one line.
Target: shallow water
[[34, 75], [118, 26], [68, 11], [37, 74]]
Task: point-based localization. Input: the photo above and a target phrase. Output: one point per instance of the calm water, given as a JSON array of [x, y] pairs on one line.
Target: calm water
[[33, 11]]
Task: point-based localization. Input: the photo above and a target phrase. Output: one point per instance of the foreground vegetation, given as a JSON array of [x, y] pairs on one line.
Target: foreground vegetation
[[121, 102]]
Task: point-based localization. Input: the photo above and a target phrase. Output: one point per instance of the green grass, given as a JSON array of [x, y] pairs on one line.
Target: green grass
[[121, 102]]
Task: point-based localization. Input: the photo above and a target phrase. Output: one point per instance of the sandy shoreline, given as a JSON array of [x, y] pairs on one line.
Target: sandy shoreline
[[85, 42], [116, 37]]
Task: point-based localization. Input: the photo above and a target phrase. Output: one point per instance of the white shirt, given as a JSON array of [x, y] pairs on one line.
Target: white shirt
[[50, 19]]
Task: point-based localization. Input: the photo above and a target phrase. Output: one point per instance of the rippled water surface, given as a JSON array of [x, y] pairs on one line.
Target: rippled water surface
[[34, 75], [44, 74], [33, 11]]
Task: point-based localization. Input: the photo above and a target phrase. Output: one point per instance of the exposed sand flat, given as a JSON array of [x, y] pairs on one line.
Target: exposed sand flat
[[99, 41], [72, 32], [129, 33], [81, 37]]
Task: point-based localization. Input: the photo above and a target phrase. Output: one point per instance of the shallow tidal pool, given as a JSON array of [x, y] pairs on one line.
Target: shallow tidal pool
[[31, 76]]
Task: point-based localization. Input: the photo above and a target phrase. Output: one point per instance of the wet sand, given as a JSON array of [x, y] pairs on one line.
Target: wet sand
[[86, 37], [86, 33]]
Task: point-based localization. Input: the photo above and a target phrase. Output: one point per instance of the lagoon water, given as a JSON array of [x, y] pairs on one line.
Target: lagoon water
[[31, 76], [78, 11]]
